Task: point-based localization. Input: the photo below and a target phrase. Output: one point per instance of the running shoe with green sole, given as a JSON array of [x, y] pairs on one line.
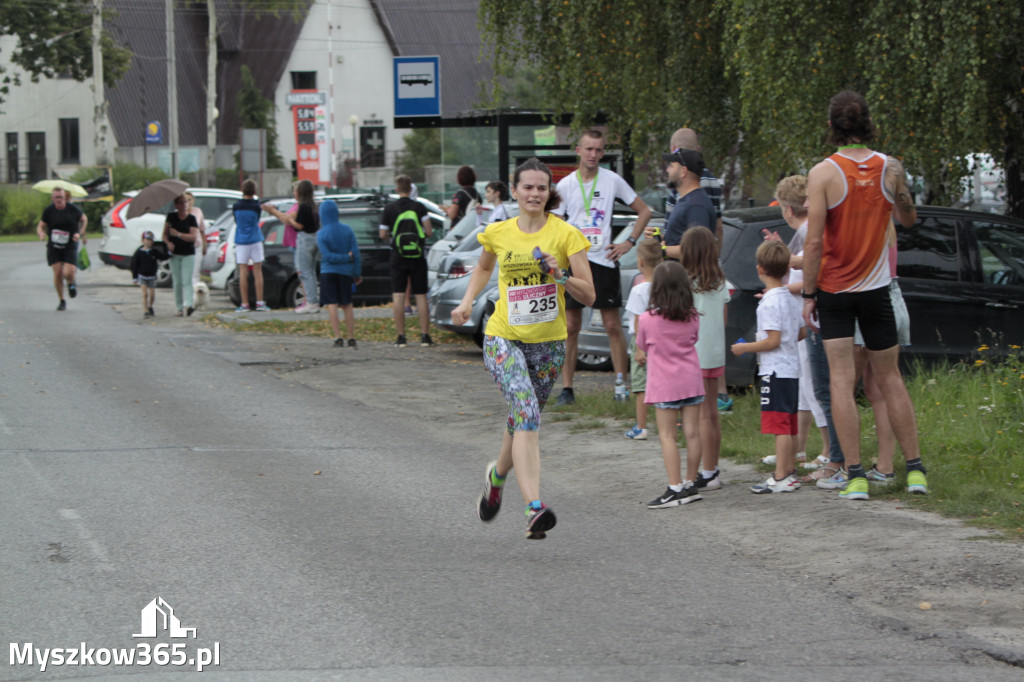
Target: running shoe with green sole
[[917, 482], [856, 489]]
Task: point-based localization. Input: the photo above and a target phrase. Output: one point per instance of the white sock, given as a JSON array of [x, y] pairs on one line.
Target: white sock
[[676, 488], [708, 474]]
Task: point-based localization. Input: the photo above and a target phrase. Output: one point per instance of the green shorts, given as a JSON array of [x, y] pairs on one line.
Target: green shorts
[[637, 372]]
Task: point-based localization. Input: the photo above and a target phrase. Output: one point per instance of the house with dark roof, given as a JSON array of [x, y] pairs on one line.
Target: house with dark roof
[[342, 48]]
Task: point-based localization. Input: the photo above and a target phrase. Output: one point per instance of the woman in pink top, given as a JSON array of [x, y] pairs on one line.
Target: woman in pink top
[[668, 336]]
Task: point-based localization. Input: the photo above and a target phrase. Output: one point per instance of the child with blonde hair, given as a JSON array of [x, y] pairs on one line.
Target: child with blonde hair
[[648, 255]]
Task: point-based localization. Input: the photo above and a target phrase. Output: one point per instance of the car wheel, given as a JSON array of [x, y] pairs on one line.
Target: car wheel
[[478, 335], [593, 362], [293, 295], [163, 274], [234, 292]]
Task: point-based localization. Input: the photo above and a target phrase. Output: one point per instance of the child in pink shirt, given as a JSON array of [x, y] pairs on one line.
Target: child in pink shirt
[[668, 336]]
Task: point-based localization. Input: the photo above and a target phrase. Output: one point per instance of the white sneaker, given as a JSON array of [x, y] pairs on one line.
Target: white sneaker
[[307, 308], [787, 485]]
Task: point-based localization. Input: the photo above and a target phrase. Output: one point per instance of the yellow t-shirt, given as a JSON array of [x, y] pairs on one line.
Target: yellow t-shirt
[[531, 307]]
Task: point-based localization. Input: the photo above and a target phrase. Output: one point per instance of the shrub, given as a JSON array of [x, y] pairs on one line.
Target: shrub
[[20, 209]]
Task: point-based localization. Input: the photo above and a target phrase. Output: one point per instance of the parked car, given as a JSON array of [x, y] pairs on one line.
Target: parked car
[[280, 281], [122, 237], [450, 282], [219, 261], [451, 238], [961, 273]]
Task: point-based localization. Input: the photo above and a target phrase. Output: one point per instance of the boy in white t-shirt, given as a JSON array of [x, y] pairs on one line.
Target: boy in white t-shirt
[[648, 255], [778, 330]]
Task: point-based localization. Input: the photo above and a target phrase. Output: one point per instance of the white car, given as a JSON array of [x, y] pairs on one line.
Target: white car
[[122, 237], [451, 238]]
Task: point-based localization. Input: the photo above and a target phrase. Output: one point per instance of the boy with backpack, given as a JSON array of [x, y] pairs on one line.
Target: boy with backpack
[[405, 224]]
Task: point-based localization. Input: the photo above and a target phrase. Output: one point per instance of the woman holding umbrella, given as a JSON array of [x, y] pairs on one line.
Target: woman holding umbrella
[[180, 235]]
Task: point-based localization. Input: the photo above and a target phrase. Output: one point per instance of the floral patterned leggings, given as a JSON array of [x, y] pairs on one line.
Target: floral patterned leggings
[[526, 373]]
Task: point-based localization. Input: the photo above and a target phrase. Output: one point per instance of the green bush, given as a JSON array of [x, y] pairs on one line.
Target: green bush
[[20, 209]]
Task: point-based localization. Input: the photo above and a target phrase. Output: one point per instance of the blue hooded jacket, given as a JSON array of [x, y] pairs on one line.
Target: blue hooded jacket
[[339, 252]]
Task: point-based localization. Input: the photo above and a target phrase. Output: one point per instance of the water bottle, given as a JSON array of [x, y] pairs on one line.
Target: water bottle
[[540, 260]]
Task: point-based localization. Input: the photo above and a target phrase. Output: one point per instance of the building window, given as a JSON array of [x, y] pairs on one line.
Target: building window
[[69, 140], [303, 80], [12, 158]]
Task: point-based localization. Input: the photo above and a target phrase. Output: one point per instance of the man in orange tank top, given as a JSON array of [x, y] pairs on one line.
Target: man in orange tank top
[[851, 196]]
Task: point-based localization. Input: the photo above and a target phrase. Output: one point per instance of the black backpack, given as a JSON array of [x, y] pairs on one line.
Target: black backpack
[[407, 235]]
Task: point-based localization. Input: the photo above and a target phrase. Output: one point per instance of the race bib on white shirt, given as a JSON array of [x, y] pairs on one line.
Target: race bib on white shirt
[[532, 304], [59, 237], [594, 236]]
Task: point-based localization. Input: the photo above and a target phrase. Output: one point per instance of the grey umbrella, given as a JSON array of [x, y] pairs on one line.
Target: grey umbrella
[[154, 196]]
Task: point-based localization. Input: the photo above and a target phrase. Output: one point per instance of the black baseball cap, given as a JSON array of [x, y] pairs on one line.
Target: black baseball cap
[[693, 160]]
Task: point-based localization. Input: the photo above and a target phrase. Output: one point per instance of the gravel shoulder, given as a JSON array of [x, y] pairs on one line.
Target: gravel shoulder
[[932, 576]]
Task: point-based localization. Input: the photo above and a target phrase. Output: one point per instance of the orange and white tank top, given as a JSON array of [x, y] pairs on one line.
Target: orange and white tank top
[[855, 255]]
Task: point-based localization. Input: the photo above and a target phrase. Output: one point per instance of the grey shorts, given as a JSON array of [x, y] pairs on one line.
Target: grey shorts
[[148, 282], [899, 311]]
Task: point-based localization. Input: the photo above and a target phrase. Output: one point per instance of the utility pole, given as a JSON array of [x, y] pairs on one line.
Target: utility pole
[[172, 87], [100, 125], [211, 92]]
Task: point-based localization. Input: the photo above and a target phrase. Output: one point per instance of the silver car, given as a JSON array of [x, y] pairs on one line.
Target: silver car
[[450, 282]]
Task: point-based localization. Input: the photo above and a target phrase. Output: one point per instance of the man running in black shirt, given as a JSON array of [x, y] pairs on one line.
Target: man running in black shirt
[[61, 227]]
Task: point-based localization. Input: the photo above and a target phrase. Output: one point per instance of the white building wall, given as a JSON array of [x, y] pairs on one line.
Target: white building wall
[[38, 108], [341, 39]]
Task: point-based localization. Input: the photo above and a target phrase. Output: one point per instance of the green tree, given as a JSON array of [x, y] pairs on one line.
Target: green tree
[[256, 111], [944, 79], [54, 38]]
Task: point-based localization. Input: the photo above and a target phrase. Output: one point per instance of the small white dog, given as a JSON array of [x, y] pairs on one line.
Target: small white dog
[[200, 295]]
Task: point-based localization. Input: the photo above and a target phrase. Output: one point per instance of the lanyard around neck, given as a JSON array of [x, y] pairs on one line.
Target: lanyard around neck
[[586, 198]]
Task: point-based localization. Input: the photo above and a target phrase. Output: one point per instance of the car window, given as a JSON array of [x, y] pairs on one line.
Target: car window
[[929, 250], [273, 232], [211, 206], [366, 225], [1001, 247]]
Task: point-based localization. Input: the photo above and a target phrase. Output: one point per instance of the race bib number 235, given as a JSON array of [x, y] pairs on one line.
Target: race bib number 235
[[532, 304]]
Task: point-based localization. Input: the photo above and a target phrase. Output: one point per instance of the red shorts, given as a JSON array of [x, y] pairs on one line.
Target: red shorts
[[779, 401], [714, 372]]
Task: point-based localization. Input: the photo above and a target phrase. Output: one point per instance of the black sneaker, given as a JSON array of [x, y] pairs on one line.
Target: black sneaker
[[339, 343], [72, 290], [62, 305], [671, 498], [400, 341], [489, 503], [151, 313], [189, 311], [351, 343], [426, 341], [148, 313], [566, 397], [713, 483], [539, 522]]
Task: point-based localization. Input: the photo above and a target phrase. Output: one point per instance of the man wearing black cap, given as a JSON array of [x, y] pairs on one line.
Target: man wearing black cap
[[693, 207]]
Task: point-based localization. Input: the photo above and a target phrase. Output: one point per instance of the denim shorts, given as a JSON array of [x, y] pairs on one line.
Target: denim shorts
[[679, 404]]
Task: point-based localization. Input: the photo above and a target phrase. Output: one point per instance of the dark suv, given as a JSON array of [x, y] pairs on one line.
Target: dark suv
[[961, 273], [280, 279]]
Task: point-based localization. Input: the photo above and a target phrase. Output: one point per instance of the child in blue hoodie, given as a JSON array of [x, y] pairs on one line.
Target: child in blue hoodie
[[340, 270]]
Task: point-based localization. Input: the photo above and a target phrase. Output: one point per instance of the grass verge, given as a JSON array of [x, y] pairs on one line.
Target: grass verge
[[970, 417], [367, 329]]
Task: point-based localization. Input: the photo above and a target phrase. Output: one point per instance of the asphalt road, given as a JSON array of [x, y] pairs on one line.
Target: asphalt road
[[312, 535]]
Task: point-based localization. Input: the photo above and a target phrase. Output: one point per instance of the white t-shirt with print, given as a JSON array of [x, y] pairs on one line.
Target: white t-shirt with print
[[778, 311], [597, 225], [639, 298]]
